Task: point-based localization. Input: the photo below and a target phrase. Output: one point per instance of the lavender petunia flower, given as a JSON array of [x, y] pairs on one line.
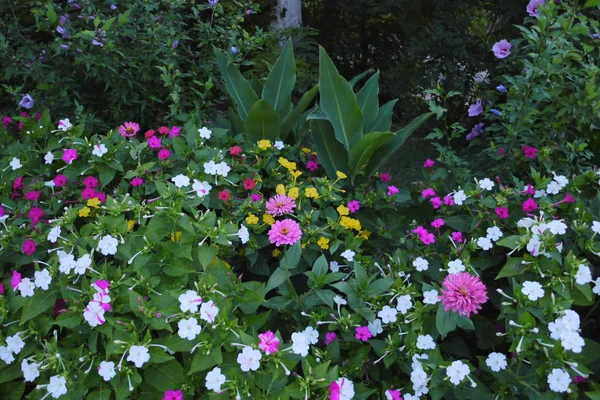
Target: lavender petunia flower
[[63, 19], [476, 108], [496, 112], [476, 131], [64, 46], [533, 7], [502, 48], [501, 88], [113, 6], [234, 50], [97, 43], [27, 101], [63, 32], [175, 44], [213, 2]]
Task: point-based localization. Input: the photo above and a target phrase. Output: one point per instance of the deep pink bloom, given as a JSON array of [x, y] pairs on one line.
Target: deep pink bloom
[[35, 214], [501, 151], [88, 193], [149, 133], [101, 285], [394, 394], [100, 196], [502, 212], [429, 192], [235, 150], [285, 232], [154, 142], [1, 288], [502, 48], [533, 7], [476, 108], [256, 197], [137, 181], [59, 180], [385, 177], [436, 202], [280, 204], [579, 379], [90, 182], [437, 223], [269, 343], [529, 205], [419, 230], [335, 391], [174, 131], [173, 395], [529, 151], [2, 211], [353, 206], [569, 198], [427, 239], [330, 337], [15, 280], [32, 195], [224, 195], [457, 237], [164, 153], [129, 129], [529, 190], [69, 155], [363, 333], [312, 165], [163, 130], [18, 183], [463, 293], [6, 120], [428, 163], [28, 247], [392, 190], [448, 200], [249, 184]]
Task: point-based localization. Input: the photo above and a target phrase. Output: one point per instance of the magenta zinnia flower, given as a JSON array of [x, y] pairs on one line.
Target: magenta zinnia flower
[[280, 204], [463, 293], [129, 129], [268, 342], [285, 232]]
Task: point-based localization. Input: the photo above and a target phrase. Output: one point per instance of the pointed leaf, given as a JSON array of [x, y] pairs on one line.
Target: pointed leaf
[[358, 77], [362, 152], [338, 103], [262, 122], [256, 86], [383, 121], [332, 155], [237, 86], [281, 81], [368, 99], [290, 120]]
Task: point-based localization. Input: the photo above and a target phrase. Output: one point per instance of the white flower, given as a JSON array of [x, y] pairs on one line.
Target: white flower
[[189, 301], [99, 150], [418, 377], [387, 315], [334, 266], [26, 287], [208, 312], [408, 396], [249, 359], [30, 371], [82, 264], [375, 327], [557, 329], [457, 372], [299, 344], [404, 304], [486, 184], [138, 355], [64, 124], [15, 164], [561, 180], [57, 386], [210, 168], [596, 288], [214, 379], [278, 145], [94, 313], [222, 169], [485, 243], [494, 233], [107, 245], [49, 184], [573, 341], [496, 362], [6, 355], [201, 188], [539, 193], [425, 342], [243, 234], [431, 297], [48, 158], [107, 370], [596, 227], [559, 380], [553, 187], [533, 290], [348, 255], [346, 387], [526, 222], [311, 335], [14, 343], [420, 264], [583, 275], [66, 262], [571, 319], [188, 328], [181, 180], [481, 77], [42, 279], [204, 132], [53, 234], [456, 266], [459, 197], [557, 227], [340, 301]]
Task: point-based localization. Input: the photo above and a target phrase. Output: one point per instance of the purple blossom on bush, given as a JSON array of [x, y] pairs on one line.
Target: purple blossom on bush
[[502, 48], [234, 50], [476, 108], [175, 44], [213, 2], [63, 32], [476, 131], [27, 101], [501, 88]]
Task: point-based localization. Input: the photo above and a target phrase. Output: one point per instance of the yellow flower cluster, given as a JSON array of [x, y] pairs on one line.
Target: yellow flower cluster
[[323, 243], [268, 219], [311, 192], [264, 144], [251, 219], [291, 166], [93, 202], [84, 212], [350, 223], [294, 193], [343, 210]]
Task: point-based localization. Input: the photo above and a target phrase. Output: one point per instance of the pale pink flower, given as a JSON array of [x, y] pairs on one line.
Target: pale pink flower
[[280, 204], [502, 48], [285, 232], [463, 293]]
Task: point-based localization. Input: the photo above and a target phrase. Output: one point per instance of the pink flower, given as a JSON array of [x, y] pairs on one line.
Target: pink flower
[[69, 155], [394, 394], [437, 223], [436, 202], [501, 151], [173, 395], [569, 198], [129, 129], [164, 153], [385, 177], [32, 195], [529, 205], [353, 206], [1, 288], [285, 232], [235, 150], [429, 192], [137, 181], [224, 195], [330, 337], [6, 121], [280, 204], [174, 131], [154, 142], [312, 165], [35, 214], [18, 183], [448, 200], [392, 190], [268, 342], [502, 212], [502, 48], [579, 379], [149, 133], [28, 247], [163, 130], [88, 193], [15, 280], [256, 197], [529, 190], [428, 163], [427, 239], [249, 184], [533, 7], [457, 237], [335, 391], [529, 152], [100, 196], [90, 182], [101, 286], [463, 293], [363, 333], [2, 211], [59, 180]]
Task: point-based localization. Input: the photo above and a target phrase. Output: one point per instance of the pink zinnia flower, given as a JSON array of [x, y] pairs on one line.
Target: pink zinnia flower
[[330, 337], [129, 129], [174, 131], [164, 153], [437, 223], [448, 200], [529, 152], [256, 197], [59, 180], [173, 395], [353, 206], [285, 232], [529, 205], [392, 190], [69, 155], [363, 333], [90, 182], [280, 204], [502, 212], [502, 48], [235, 150], [137, 181], [15, 280], [457, 237], [249, 184], [35, 214], [224, 195], [163, 130], [28, 247], [429, 192], [393, 394], [436, 202], [463, 293], [533, 7], [32, 195], [154, 142], [428, 163], [268, 342], [385, 177], [312, 165]]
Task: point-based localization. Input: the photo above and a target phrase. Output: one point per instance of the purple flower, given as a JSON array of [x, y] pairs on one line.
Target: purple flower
[[27, 102], [175, 44], [63, 32], [501, 88], [496, 112], [113, 6], [234, 50], [502, 48], [97, 43], [64, 46], [249, 12], [533, 7], [477, 130], [63, 19], [213, 2], [476, 108]]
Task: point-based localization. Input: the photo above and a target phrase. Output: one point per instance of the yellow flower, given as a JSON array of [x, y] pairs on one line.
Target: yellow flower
[[296, 174], [323, 243], [84, 212], [364, 234], [280, 189], [93, 202], [284, 161], [175, 236], [306, 150], [341, 175], [291, 166], [343, 210], [264, 144], [304, 245], [251, 219], [311, 193], [268, 219], [294, 193], [350, 223], [276, 253], [130, 225]]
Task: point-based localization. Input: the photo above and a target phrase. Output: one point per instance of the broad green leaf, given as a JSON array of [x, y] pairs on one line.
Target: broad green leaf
[[511, 268], [338, 103], [165, 376], [368, 99], [445, 321], [358, 77], [206, 255], [591, 3], [279, 276], [51, 14], [320, 267], [290, 120], [39, 303], [383, 121], [281, 81], [291, 258], [237, 86], [362, 152], [262, 122], [332, 155], [383, 154], [256, 86], [510, 241], [461, 222], [202, 362]]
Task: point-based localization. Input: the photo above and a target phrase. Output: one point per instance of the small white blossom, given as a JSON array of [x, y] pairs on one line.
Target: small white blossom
[[311, 335], [66, 262], [348, 255], [205, 133], [278, 145], [6, 355], [99, 150], [420, 264], [208, 311], [181, 181], [94, 313], [201, 188], [42, 279], [387, 315], [553, 188], [108, 245], [188, 328], [82, 264], [15, 164], [425, 342], [222, 169], [107, 370], [485, 243], [456, 266], [30, 371], [375, 327], [210, 168], [557, 227], [494, 233], [334, 266], [138, 355], [189, 301], [496, 362], [457, 372], [64, 124], [57, 386], [53, 234], [572, 341], [596, 227], [431, 297], [299, 344], [583, 275], [48, 158], [26, 287], [533, 290], [404, 304], [214, 380], [596, 288], [559, 380], [14, 343], [459, 197], [340, 301], [243, 234], [486, 184], [346, 389], [539, 193]]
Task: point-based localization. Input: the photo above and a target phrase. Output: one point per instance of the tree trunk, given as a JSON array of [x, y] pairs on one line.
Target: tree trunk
[[288, 14]]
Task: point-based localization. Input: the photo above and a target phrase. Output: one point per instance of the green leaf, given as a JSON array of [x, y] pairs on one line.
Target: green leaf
[[510, 241], [320, 267], [291, 258], [461, 223], [280, 82], [332, 155], [237, 86], [290, 120], [338, 103], [206, 254], [39, 303], [511, 268], [383, 121], [279, 276], [262, 122], [358, 77], [202, 362], [362, 152], [51, 14], [392, 145], [591, 3], [368, 99], [165, 376], [445, 321]]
